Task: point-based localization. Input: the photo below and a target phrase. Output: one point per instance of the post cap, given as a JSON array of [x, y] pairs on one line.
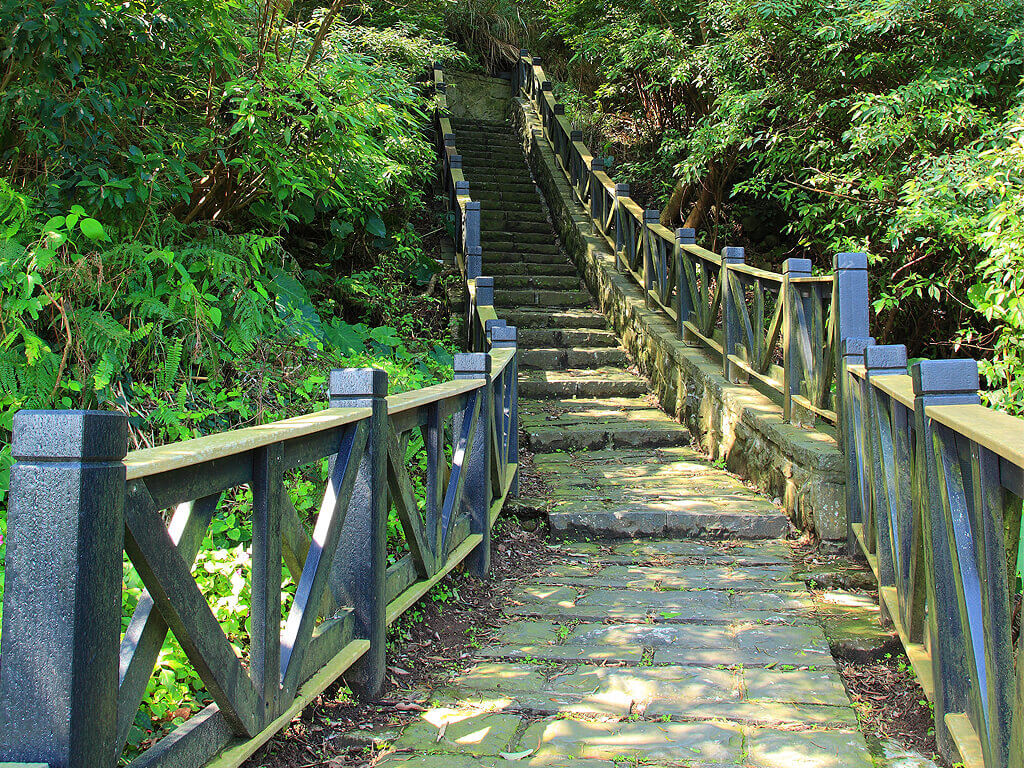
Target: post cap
[[449, 139], [472, 364], [559, 108], [733, 254], [472, 205], [358, 382], [462, 185], [545, 85], [686, 236], [575, 135], [850, 261], [536, 61], [880, 358], [797, 267], [854, 347], [596, 164], [524, 51], [622, 190], [56, 435], [493, 323], [503, 333], [953, 377]]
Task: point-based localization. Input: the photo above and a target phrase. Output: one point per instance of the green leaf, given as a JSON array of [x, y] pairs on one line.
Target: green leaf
[[92, 229], [215, 316], [375, 226]]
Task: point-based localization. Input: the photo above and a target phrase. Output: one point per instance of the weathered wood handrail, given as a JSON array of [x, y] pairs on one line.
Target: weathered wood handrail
[[71, 685], [773, 330], [80, 507], [934, 489]]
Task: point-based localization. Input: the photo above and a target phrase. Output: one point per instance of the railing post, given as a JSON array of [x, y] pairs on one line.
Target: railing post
[[940, 382], [650, 217], [730, 312], [501, 338], [358, 569], [483, 290], [62, 600], [621, 191], [472, 238], [850, 312], [476, 494], [684, 306], [596, 164], [852, 353], [791, 365], [880, 360]]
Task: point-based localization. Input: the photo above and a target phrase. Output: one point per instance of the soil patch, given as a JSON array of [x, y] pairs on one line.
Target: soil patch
[[891, 704]]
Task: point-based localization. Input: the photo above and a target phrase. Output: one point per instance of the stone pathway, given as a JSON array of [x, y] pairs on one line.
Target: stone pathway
[[695, 651], [662, 653]]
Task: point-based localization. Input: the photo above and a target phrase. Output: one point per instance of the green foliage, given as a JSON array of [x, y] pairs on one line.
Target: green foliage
[[801, 128], [204, 207]]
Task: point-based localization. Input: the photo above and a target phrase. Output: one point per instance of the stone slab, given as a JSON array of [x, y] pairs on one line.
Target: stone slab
[[693, 742]]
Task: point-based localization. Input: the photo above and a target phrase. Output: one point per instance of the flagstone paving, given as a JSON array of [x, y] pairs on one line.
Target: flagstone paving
[[671, 653], [695, 647]]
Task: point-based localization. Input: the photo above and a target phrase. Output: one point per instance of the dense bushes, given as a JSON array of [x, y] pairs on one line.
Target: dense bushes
[[205, 206]]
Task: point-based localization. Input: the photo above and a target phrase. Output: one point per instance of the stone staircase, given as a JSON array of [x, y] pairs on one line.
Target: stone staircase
[[580, 398]]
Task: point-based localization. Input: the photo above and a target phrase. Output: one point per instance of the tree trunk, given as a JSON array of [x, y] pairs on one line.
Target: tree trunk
[[671, 215]]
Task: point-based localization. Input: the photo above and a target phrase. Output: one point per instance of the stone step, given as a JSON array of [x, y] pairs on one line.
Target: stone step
[[541, 298], [522, 200], [532, 338], [524, 237], [590, 425], [546, 282], [508, 251], [506, 186], [537, 262], [492, 154], [561, 358], [517, 268], [599, 382], [533, 230], [573, 319]]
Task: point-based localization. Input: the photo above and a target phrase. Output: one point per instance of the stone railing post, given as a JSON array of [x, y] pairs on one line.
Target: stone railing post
[[621, 192], [483, 296], [476, 493], [791, 364], [472, 236], [730, 312], [62, 599], [505, 337], [651, 216], [684, 304], [358, 569], [850, 313], [940, 382]]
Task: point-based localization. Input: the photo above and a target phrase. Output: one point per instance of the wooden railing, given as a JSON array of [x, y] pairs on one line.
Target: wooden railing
[[933, 494], [934, 497], [774, 330], [71, 682]]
